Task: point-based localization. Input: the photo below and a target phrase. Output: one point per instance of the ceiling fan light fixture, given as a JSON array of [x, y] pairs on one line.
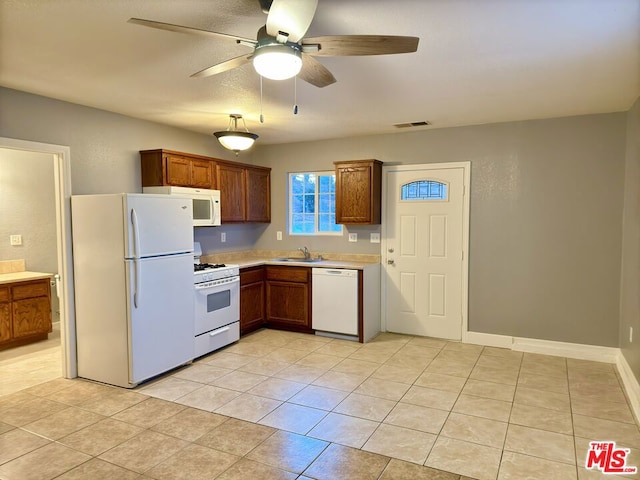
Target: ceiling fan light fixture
[[277, 61], [234, 139]]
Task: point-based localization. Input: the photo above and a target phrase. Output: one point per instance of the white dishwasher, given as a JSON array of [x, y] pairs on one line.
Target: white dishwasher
[[334, 300]]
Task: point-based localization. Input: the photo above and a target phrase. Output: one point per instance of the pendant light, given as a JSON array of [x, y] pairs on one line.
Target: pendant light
[[234, 139]]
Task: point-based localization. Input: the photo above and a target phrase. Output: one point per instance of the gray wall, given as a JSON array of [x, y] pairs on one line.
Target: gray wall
[[630, 285], [27, 208], [546, 217], [546, 202], [104, 146]]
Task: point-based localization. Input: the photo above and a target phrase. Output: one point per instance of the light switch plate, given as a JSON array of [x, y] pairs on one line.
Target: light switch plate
[[15, 239], [375, 238], [353, 237], [278, 235], [223, 237]]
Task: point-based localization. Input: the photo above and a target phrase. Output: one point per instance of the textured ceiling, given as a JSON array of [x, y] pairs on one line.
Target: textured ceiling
[[478, 61]]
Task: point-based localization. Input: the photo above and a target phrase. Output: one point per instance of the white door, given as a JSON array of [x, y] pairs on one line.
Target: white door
[[158, 225], [161, 318], [424, 251]]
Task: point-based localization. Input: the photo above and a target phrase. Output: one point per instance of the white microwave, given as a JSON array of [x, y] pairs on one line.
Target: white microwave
[[206, 203]]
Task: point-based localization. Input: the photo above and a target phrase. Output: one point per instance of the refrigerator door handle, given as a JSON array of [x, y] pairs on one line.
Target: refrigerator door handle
[[136, 258], [136, 293], [136, 233]]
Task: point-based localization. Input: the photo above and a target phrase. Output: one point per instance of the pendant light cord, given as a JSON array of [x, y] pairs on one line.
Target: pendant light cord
[[261, 116]]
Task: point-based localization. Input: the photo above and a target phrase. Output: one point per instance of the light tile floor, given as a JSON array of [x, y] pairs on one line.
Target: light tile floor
[[286, 405]]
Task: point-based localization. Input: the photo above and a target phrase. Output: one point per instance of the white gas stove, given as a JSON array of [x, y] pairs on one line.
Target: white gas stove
[[217, 304], [211, 272]]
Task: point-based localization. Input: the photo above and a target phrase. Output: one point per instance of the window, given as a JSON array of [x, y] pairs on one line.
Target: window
[[424, 190], [312, 204]]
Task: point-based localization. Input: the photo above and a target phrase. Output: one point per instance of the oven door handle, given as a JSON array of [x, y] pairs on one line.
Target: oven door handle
[[203, 285], [218, 331]]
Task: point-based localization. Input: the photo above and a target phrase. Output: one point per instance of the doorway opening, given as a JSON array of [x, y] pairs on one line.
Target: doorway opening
[[59, 156]]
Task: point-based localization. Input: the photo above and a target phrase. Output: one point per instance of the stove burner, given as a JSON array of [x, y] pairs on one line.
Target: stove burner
[[198, 267]]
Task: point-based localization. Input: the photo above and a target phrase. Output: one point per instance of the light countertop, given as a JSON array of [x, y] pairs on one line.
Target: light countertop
[[22, 276], [256, 258]]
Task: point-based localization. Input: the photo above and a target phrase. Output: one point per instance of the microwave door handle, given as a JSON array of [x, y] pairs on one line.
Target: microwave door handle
[[216, 212], [136, 258]]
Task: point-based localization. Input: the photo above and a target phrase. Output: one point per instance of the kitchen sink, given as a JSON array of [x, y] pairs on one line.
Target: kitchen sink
[[296, 259]]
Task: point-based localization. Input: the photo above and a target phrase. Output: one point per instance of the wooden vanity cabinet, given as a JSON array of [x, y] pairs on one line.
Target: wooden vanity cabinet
[[165, 167], [288, 291], [358, 192], [252, 300], [25, 312]]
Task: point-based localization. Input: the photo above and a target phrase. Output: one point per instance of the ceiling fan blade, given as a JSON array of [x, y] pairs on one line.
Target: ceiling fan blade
[[315, 73], [224, 66], [291, 17], [190, 30], [347, 45]]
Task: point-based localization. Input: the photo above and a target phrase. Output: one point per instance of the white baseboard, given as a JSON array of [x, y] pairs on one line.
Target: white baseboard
[[569, 350], [545, 347], [630, 383], [487, 339]]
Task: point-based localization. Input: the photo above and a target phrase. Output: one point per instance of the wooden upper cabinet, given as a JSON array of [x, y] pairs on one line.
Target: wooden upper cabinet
[[358, 192], [258, 194], [164, 167], [231, 183], [245, 190]]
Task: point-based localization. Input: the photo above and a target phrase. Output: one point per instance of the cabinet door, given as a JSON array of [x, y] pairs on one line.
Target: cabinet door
[[251, 307], [178, 170], [5, 321], [288, 305], [202, 174], [31, 316], [258, 195], [230, 180], [358, 192]]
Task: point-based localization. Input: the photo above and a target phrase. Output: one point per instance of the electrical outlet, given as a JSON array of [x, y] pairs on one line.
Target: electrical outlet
[[353, 237], [278, 235], [223, 237], [15, 239], [630, 334], [375, 238]]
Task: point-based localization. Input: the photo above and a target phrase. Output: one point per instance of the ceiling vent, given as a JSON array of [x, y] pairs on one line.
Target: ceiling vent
[[412, 124]]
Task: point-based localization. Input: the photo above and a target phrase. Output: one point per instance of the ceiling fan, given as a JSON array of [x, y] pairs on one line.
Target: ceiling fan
[[280, 51]]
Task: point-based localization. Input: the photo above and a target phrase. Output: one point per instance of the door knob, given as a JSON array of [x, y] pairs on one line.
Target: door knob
[[390, 262], [391, 250]]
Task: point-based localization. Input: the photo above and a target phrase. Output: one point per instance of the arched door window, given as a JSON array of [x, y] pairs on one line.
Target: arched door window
[[424, 190]]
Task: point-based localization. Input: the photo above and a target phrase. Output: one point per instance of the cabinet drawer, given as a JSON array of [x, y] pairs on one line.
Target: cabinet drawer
[[288, 274], [215, 339], [4, 294], [251, 275], [30, 290]]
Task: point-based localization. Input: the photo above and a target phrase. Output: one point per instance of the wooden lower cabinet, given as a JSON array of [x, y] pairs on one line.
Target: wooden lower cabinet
[[252, 300], [288, 292], [25, 312]]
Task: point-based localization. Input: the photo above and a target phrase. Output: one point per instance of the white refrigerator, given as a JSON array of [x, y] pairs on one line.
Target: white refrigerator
[[133, 280]]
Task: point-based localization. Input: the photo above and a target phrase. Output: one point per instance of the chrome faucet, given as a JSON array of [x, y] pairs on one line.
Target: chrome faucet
[[305, 252]]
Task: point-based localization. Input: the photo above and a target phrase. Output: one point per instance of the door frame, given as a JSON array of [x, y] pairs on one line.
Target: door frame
[[466, 166], [62, 177]]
